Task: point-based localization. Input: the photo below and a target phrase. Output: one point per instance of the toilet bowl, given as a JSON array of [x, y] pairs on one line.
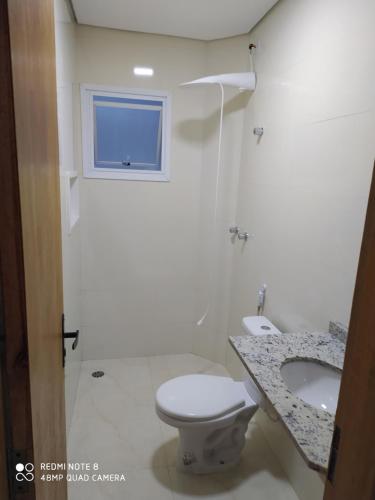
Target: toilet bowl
[[212, 413]]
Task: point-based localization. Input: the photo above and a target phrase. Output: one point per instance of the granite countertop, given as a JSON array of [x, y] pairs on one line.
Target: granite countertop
[[310, 428]]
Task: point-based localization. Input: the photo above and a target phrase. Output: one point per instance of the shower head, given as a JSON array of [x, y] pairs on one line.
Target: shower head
[[240, 81]]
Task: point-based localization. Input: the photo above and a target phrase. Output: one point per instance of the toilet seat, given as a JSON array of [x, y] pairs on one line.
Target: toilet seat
[[197, 397]]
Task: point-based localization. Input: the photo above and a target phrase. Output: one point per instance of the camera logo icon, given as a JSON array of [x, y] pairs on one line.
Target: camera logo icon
[[25, 472]]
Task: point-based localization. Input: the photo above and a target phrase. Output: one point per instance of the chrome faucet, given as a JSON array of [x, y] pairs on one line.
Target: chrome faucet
[[243, 236]]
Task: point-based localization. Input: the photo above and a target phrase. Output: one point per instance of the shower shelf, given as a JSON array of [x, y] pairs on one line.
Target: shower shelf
[[70, 181], [70, 174]]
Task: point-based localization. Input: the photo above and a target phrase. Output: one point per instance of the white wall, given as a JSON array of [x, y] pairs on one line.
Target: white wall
[[139, 239], [65, 67], [304, 185]]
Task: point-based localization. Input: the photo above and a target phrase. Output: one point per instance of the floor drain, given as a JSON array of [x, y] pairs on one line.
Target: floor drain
[[97, 374]]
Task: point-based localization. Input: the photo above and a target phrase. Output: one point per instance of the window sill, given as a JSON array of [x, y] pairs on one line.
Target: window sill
[[127, 176]]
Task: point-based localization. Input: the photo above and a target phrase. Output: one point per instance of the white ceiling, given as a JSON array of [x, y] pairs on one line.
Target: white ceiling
[[199, 19]]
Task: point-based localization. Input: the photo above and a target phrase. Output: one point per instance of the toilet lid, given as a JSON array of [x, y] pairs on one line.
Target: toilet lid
[[200, 397]]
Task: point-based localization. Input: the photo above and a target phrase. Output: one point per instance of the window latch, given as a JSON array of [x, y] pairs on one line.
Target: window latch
[[126, 163]]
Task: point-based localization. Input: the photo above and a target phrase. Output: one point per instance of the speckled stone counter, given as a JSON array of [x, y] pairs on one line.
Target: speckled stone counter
[[310, 428]]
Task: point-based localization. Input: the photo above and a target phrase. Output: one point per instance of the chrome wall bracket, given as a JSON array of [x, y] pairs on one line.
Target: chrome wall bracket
[[234, 230], [259, 131]]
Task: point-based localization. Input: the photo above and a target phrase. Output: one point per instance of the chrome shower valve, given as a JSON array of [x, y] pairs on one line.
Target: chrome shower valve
[[234, 230], [243, 236]]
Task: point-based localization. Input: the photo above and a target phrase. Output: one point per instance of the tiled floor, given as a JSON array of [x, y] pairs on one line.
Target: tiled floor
[[115, 425]]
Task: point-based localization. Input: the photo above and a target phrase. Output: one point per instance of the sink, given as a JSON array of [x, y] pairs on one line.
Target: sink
[[315, 383]]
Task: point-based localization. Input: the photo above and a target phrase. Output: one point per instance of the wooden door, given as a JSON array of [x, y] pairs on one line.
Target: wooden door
[[4, 492], [30, 246], [352, 464]]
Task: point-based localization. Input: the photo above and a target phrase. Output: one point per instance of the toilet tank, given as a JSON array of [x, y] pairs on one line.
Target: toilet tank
[[259, 325]]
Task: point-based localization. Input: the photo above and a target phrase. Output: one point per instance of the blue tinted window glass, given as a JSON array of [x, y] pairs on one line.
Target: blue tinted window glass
[[126, 100], [127, 133]]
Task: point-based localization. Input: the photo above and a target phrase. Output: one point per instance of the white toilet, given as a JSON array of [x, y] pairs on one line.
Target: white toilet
[[211, 413]]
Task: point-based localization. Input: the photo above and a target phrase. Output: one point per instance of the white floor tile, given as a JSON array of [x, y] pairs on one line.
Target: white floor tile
[[115, 424], [262, 485], [190, 486], [140, 484], [170, 443]]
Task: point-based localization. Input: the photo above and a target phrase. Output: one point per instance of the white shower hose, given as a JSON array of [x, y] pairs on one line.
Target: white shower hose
[[216, 207]]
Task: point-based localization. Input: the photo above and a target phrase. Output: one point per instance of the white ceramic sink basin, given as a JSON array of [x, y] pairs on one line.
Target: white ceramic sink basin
[[314, 383]]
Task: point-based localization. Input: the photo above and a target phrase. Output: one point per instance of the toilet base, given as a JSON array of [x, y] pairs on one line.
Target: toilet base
[[204, 451]]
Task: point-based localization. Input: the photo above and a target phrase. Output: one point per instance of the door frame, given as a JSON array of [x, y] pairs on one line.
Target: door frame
[[16, 399], [4, 486], [351, 472], [30, 251]]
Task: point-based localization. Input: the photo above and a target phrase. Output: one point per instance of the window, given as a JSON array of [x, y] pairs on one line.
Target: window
[[125, 133]]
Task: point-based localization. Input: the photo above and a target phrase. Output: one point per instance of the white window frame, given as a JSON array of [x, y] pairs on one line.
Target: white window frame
[[88, 91]]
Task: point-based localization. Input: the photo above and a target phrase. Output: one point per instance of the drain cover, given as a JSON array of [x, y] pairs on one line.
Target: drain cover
[[97, 374], [265, 327]]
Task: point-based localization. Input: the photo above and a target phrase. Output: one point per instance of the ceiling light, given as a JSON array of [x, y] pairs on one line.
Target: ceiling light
[[140, 71]]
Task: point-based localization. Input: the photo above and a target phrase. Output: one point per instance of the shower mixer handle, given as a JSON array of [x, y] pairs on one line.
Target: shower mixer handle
[[243, 236], [234, 230]]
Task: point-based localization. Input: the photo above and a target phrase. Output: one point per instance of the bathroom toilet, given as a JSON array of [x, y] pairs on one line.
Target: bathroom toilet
[[212, 413]]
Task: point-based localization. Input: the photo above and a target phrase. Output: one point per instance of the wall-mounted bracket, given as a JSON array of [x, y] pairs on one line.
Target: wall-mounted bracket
[[259, 131]]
